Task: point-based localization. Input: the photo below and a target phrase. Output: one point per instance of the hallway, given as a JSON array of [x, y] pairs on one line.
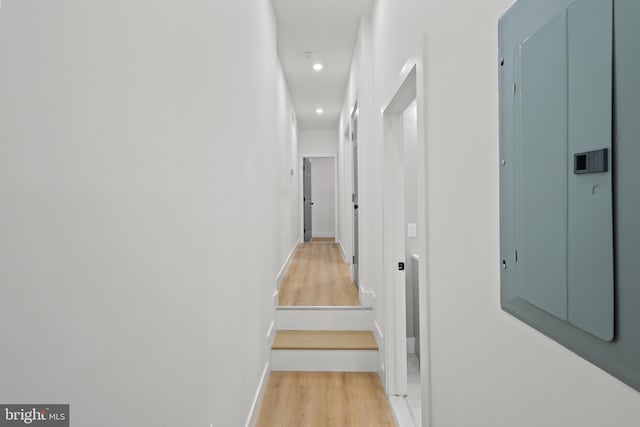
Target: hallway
[[323, 371], [318, 276], [318, 399], [153, 205]]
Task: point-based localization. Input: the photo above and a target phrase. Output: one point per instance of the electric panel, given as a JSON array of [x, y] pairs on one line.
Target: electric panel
[[564, 129], [564, 225]]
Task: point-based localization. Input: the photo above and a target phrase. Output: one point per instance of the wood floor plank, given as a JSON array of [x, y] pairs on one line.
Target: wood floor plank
[[324, 340], [318, 276], [325, 399]]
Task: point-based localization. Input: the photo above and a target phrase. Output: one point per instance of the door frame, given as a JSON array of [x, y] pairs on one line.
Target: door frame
[[301, 158], [394, 373], [354, 144], [394, 234], [410, 86], [307, 205]]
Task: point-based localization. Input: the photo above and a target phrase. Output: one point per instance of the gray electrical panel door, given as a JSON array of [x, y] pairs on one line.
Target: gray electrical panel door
[[563, 226], [540, 146], [569, 142], [590, 288]]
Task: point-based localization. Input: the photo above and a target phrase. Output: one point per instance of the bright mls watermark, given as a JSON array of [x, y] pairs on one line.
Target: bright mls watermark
[[34, 415]]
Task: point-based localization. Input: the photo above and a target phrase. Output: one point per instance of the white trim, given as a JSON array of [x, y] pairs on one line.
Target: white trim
[[271, 335], [271, 328], [368, 292], [404, 93], [382, 372], [276, 298], [378, 330], [410, 66], [423, 251], [343, 254], [383, 375], [252, 419], [402, 411], [312, 155], [367, 297], [323, 234], [285, 266]]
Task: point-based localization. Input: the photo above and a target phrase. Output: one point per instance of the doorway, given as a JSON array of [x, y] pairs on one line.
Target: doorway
[[307, 200], [354, 140], [319, 198], [402, 243]]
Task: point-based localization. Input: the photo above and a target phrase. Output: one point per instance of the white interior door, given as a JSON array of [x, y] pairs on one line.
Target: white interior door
[[307, 200]]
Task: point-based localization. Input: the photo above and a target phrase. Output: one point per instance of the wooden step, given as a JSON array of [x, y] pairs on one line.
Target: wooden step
[[324, 340], [324, 318], [325, 351]]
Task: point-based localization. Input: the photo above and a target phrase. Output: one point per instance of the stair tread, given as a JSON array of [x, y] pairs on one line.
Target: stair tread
[[324, 340]]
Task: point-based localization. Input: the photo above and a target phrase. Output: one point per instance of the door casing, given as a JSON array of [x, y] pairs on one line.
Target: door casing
[[307, 200], [355, 261]]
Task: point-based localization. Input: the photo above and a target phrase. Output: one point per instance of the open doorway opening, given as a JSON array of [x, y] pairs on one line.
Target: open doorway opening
[[410, 143], [319, 199], [307, 199], [402, 251]]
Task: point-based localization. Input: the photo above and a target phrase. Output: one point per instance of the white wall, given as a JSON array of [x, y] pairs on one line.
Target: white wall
[[323, 195], [318, 141], [370, 178], [488, 368], [128, 184], [344, 227]]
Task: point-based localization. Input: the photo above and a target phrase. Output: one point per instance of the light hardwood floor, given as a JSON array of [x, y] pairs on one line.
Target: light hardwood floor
[[318, 276], [325, 399], [324, 340]]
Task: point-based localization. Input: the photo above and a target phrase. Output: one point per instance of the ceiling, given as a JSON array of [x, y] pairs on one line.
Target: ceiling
[[328, 29]]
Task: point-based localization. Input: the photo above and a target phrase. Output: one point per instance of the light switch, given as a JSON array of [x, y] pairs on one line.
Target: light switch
[[411, 230]]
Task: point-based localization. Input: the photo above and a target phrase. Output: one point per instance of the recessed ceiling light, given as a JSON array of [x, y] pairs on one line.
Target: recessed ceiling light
[[318, 66], [320, 110]]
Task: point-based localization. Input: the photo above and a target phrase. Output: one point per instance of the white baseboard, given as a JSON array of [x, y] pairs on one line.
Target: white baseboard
[[342, 252], [252, 419], [402, 411], [383, 376], [262, 386], [285, 266], [367, 298], [323, 234], [411, 345], [378, 331], [271, 335]]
